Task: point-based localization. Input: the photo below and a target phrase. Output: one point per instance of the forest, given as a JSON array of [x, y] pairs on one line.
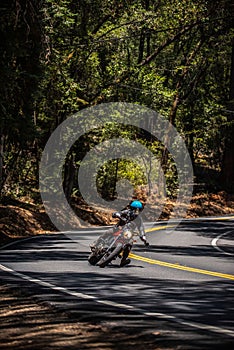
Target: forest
[[61, 57]]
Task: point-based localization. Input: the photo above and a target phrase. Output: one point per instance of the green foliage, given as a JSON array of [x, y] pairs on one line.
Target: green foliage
[[59, 57]]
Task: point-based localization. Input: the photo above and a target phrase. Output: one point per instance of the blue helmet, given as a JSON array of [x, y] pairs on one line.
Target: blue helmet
[[136, 205]]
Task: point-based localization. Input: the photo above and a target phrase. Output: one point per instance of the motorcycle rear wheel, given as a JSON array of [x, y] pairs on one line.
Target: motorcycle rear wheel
[[93, 259]]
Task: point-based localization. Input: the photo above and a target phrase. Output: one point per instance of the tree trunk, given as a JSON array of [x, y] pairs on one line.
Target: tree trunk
[[172, 119], [69, 177], [1, 163], [227, 173], [115, 178]]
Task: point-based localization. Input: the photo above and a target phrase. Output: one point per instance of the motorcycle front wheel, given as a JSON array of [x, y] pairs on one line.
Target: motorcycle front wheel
[[107, 258]]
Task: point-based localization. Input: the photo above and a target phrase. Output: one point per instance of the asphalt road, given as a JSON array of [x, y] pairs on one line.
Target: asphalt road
[[184, 281]]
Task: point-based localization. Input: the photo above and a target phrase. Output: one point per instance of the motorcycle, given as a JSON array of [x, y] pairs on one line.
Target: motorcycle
[[110, 246]]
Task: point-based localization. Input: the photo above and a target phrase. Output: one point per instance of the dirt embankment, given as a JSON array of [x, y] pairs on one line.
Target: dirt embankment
[[24, 218]]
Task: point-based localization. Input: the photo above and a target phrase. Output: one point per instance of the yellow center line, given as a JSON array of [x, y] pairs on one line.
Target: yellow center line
[[163, 227], [178, 266], [231, 217], [181, 267], [159, 228]]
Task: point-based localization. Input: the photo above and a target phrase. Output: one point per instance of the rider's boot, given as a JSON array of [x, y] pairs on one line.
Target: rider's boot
[[124, 262]]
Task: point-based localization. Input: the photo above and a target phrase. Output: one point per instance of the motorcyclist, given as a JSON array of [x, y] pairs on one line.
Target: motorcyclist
[[126, 215]]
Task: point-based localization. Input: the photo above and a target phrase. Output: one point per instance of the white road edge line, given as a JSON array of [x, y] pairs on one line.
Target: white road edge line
[[118, 305], [215, 241]]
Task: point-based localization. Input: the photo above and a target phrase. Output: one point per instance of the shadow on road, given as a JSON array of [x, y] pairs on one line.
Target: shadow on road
[[202, 302], [205, 229]]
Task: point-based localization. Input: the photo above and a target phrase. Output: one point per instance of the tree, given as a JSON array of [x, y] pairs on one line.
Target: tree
[[227, 175], [20, 70], [59, 57]]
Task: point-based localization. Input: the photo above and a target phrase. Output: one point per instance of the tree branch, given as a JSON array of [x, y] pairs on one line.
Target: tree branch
[[167, 42]]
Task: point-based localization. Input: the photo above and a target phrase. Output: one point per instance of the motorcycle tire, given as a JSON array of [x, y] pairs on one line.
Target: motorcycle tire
[[93, 259], [107, 258]]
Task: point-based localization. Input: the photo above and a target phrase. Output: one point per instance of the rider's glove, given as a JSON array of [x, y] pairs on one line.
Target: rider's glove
[[124, 219], [143, 238]]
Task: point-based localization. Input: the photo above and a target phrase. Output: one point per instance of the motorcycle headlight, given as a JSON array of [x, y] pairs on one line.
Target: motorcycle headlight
[[127, 234]]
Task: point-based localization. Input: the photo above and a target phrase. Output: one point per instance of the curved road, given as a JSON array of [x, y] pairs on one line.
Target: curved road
[[183, 281]]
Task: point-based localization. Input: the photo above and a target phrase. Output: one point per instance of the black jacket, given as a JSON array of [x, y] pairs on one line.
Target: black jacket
[[130, 215]]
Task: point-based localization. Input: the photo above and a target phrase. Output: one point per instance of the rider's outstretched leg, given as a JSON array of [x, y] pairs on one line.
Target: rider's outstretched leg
[[125, 260]]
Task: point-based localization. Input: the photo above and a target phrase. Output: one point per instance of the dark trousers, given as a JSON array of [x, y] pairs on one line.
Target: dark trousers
[[126, 252]]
